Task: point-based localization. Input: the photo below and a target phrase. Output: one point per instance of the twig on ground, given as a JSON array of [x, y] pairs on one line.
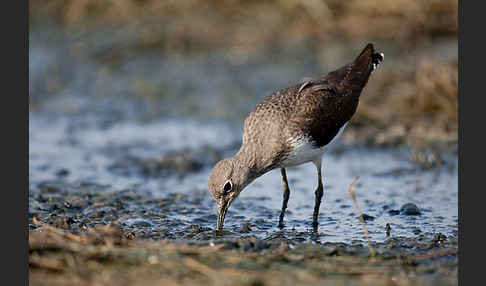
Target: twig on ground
[[358, 210], [58, 231]]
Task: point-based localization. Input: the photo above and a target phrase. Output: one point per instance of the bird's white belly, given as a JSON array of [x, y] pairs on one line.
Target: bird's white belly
[[304, 151]]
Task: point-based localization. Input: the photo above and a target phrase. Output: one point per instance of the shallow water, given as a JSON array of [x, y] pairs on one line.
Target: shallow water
[[388, 179], [155, 126]]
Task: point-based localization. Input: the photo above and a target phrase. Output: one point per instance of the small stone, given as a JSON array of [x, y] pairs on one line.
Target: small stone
[[141, 223], [130, 235], [196, 228], [439, 238], [245, 228], [62, 173], [69, 220], [98, 213], [393, 212], [410, 209], [367, 217]]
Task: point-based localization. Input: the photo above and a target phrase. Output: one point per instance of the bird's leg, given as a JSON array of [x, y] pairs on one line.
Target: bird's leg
[[319, 193], [286, 195]]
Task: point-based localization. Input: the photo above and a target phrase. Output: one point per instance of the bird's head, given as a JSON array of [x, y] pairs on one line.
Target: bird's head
[[227, 180]]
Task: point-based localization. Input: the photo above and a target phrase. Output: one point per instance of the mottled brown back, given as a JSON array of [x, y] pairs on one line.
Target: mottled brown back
[[316, 109]]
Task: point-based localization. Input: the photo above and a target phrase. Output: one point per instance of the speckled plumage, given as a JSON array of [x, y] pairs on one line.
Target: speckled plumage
[[306, 115], [317, 109]]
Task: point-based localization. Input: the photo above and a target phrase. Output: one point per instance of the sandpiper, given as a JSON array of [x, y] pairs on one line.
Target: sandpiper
[[291, 127]]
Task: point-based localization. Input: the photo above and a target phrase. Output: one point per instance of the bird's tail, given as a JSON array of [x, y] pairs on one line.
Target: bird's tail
[[355, 75]]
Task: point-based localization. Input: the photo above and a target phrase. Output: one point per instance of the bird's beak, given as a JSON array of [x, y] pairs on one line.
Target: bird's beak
[[223, 207]]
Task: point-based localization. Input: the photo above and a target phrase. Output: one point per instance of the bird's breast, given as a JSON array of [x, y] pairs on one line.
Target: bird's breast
[[302, 150]]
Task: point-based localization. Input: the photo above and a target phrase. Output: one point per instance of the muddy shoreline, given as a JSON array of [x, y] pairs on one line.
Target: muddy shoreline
[[190, 215], [105, 255], [83, 233]]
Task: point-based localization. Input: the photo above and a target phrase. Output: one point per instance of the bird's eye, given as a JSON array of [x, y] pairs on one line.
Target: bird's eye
[[227, 186]]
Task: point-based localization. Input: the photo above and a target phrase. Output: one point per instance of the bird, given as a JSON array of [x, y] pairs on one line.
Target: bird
[[290, 127]]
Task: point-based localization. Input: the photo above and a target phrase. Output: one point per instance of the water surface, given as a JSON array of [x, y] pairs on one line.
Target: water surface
[[115, 157]]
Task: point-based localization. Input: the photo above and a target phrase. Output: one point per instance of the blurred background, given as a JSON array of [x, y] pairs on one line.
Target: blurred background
[[143, 60]]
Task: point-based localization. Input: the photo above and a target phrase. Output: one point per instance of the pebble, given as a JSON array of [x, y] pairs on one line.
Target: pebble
[[439, 238], [367, 217], [416, 231], [393, 212], [245, 228], [62, 173], [410, 209], [140, 223]]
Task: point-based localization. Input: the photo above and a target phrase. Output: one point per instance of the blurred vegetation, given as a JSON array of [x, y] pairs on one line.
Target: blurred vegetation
[[412, 99], [253, 25], [419, 107]]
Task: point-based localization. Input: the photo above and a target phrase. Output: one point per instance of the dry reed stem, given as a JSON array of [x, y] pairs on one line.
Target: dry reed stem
[[358, 210], [58, 231]]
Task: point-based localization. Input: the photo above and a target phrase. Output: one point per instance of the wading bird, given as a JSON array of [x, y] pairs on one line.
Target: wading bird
[[291, 127]]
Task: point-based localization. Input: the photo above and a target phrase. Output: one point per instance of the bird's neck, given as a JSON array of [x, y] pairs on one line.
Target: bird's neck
[[248, 161]]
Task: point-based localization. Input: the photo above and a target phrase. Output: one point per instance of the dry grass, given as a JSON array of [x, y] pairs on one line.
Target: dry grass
[[415, 107], [93, 259], [352, 194]]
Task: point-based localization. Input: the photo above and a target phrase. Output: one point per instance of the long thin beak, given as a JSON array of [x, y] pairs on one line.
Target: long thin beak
[[221, 214]]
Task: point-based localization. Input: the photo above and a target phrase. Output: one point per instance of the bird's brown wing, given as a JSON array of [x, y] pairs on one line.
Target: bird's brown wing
[[329, 103], [321, 112], [315, 109]]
